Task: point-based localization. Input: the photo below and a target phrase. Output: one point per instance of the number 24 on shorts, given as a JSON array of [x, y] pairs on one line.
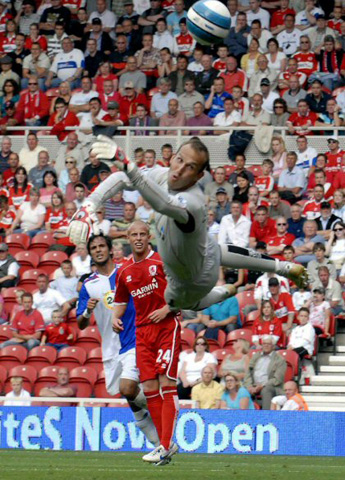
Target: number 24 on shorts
[[163, 357]]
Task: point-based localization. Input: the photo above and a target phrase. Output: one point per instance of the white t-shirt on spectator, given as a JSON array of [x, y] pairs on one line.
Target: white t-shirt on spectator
[[23, 394], [221, 120], [30, 216], [193, 368], [86, 122], [104, 226], [289, 42], [302, 19], [108, 18], [65, 65], [47, 302], [82, 98], [81, 266], [261, 15]]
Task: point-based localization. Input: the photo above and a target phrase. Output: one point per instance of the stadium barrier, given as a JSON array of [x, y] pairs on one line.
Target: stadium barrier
[[197, 431], [217, 144]]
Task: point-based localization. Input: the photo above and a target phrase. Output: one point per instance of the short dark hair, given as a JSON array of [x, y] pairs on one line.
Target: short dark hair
[[93, 237], [288, 248], [319, 246], [198, 146], [304, 309]]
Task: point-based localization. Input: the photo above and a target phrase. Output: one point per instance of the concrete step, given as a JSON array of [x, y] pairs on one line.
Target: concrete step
[[332, 369], [340, 338], [328, 380], [337, 360], [326, 389], [340, 348]]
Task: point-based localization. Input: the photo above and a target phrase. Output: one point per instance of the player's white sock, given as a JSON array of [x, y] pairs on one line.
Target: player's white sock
[[140, 400], [144, 422]]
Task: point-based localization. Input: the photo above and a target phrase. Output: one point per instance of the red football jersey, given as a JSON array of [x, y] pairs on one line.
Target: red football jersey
[[278, 17], [271, 327], [307, 62], [286, 239], [263, 183], [335, 24], [298, 121], [334, 161], [219, 65], [57, 333], [27, 324], [7, 220], [283, 306], [145, 281], [185, 43], [312, 209]]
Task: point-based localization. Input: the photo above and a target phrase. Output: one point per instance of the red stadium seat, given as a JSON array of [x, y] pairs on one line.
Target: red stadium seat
[[94, 359], [29, 278], [27, 260], [71, 357], [256, 170], [5, 333], [292, 361], [52, 93], [229, 169], [27, 372], [50, 261], [84, 378], [241, 333], [99, 388], [250, 319], [42, 356], [17, 242], [3, 376], [245, 298], [187, 338], [88, 339], [221, 353], [41, 242], [13, 355], [47, 376]]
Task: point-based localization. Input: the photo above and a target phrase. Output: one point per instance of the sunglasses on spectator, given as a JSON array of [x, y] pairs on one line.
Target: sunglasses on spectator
[[279, 224], [329, 141], [279, 106], [201, 343], [338, 229], [33, 83]]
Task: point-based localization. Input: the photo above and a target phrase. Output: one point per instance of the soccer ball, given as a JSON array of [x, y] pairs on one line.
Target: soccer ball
[[208, 21]]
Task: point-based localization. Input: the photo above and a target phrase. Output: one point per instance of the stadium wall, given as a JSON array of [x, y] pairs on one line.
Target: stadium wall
[[197, 431]]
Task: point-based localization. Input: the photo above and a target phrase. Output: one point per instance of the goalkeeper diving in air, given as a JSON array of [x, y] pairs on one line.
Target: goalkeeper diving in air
[[191, 257]]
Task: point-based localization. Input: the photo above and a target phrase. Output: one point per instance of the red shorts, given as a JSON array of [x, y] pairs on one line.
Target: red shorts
[[158, 347]]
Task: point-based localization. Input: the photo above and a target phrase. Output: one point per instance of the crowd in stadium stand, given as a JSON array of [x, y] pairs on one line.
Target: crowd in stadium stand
[[72, 63]]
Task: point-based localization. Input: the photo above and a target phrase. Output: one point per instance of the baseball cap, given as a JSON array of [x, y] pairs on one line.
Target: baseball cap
[[129, 84], [103, 170], [333, 137], [9, 104], [6, 59], [96, 21], [128, 2], [319, 16], [273, 282], [221, 190], [113, 105], [3, 247], [325, 205], [265, 81]]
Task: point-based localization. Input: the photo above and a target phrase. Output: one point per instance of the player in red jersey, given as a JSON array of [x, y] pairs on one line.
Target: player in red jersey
[[157, 336]]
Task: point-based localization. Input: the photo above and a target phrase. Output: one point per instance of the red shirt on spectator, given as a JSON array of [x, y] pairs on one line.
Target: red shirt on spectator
[[339, 181], [8, 177], [63, 225], [307, 62], [7, 219], [335, 24], [286, 239], [99, 80], [57, 333], [129, 107], [302, 77], [19, 197], [54, 217], [28, 324], [263, 183], [4, 191], [298, 121], [334, 162], [271, 327], [59, 129], [219, 65], [185, 43], [3, 20], [232, 79], [105, 99], [7, 44], [31, 105], [312, 183], [283, 306], [41, 40], [262, 233], [312, 209], [248, 213], [278, 17]]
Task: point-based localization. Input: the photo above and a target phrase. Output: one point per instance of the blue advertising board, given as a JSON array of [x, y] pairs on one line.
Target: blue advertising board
[[197, 431]]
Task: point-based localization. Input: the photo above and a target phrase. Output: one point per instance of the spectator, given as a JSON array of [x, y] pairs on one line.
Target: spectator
[[289, 38], [278, 148], [179, 77], [238, 36], [93, 117], [80, 101], [148, 58], [18, 54], [199, 119], [102, 223], [93, 57], [332, 289], [265, 378], [33, 36], [160, 100], [62, 70], [276, 59], [5, 152], [257, 43], [303, 336], [134, 75], [257, 116], [64, 179], [37, 173], [173, 118], [334, 156], [276, 245], [80, 193], [236, 362], [174, 17], [319, 251], [224, 316], [33, 106], [166, 64], [335, 248], [119, 226], [162, 37], [102, 37], [72, 149], [189, 98], [27, 325], [327, 221], [64, 91], [317, 99], [296, 221], [291, 182], [304, 246], [294, 94], [332, 115], [109, 94], [278, 207], [242, 188], [58, 333], [66, 284], [307, 17], [183, 41], [50, 186], [311, 209], [330, 63], [208, 393], [267, 323], [55, 213], [338, 202], [149, 17], [205, 79], [132, 35], [7, 72], [320, 312], [18, 396], [130, 100], [62, 118], [28, 156], [90, 173], [62, 388], [30, 215], [7, 215], [268, 96], [53, 14], [192, 366], [292, 69], [263, 72], [254, 201], [9, 268], [282, 303], [26, 16], [255, 12], [262, 228], [300, 121], [60, 234], [292, 400], [81, 263], [305, 56], [19, 193], [9, 174], [306, 156], [229, 118], [47, 299], [235, 397], [219, 181], [233, 76]]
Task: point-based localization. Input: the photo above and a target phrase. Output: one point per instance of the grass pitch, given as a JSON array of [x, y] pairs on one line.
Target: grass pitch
[[47, 465]]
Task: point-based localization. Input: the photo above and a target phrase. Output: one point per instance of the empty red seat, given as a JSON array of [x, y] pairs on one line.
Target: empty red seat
[[99, 388], [84, 378], [41, 356], [9, 295], [17, 242], [187, 338], [52, 93], [241, 333], [3, 376], [71, 357], [250, 319], [13, 355], [47, 376], [5, 333], [28, 374], [292, 362], [88, 339], [41, 242], [245, 298], [50, 261], [94, 359], [221, 353], [27, 260], [29, 278], [256, 170]]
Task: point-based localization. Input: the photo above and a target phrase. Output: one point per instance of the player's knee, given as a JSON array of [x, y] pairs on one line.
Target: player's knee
[[129, 390]]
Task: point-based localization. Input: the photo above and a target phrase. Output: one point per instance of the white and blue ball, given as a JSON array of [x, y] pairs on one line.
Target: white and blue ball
[[208, 21]]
